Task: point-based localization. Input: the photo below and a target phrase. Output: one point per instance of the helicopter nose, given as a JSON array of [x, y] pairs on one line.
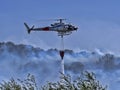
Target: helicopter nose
[[75, 28]]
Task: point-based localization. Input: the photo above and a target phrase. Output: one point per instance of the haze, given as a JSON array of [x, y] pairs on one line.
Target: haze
[[98, 23]]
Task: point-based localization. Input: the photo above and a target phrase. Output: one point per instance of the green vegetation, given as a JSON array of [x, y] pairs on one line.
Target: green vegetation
[[87, 81]]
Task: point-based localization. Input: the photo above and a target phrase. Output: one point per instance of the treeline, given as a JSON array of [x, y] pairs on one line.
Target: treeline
[[86, 81]]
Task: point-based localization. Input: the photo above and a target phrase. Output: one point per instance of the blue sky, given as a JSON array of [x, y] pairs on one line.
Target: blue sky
[[98, 22]]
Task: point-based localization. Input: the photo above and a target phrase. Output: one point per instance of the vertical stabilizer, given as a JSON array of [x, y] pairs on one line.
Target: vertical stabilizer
[[28, 29]]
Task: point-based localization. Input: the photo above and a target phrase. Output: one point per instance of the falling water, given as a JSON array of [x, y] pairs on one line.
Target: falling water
[[61, 52]]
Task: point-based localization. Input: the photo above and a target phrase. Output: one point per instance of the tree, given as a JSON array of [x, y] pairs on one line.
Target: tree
[[87, 81]]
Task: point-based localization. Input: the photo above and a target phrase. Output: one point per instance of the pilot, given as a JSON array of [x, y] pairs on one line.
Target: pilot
[[69, 27]]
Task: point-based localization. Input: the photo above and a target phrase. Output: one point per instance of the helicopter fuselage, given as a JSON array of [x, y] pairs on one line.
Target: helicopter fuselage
[[62, 28]]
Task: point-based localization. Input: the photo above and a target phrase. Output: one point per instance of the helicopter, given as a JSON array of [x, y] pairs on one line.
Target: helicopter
[[60, 27]]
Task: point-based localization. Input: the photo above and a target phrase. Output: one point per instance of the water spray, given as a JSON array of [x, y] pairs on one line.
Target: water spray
[[61, 52]]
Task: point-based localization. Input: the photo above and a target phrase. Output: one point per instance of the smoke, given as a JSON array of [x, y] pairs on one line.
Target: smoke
[[19, 60]]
